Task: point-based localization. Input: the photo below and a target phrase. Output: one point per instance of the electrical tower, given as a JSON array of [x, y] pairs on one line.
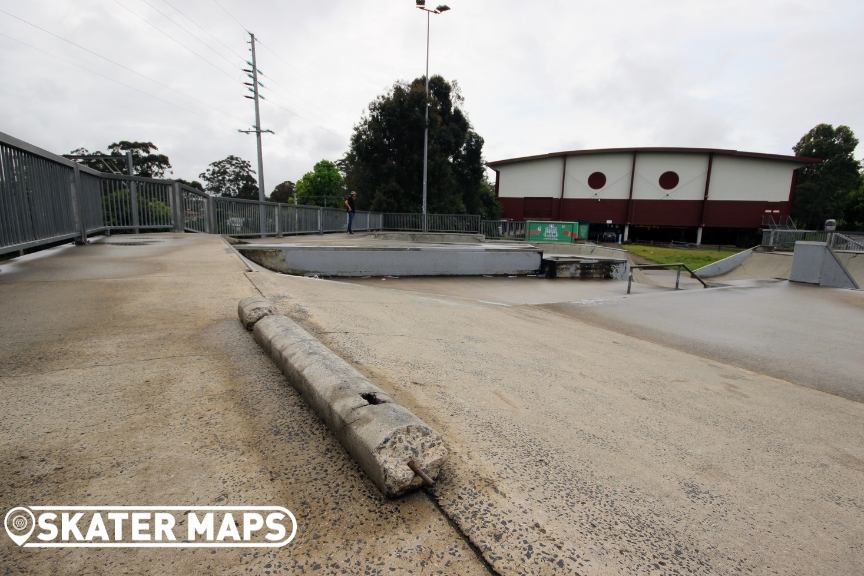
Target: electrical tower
[[253, 74]]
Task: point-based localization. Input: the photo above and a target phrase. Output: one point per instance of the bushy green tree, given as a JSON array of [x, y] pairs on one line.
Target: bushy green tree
[[853, 214], [384, 163], [144, 162], [283, 192], [823, 190], [191, 184], [117, 212], [232, 178], [323, 186]]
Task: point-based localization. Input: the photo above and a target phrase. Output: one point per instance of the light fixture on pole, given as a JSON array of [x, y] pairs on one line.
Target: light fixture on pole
[[421, 4]]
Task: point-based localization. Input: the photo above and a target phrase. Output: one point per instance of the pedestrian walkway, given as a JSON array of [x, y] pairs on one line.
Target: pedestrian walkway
[[126, 379]]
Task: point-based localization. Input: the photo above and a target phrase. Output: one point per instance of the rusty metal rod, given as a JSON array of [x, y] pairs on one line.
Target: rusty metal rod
[[419, 472]]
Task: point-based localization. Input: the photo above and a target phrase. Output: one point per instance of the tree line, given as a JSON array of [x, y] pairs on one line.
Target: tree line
[[384, 162]]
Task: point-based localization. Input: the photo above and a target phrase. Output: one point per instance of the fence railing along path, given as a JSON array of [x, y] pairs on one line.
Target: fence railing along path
[[785, 239], [46, 198]]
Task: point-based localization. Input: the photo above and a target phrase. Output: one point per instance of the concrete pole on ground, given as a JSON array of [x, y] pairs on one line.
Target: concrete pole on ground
[[699, 236]]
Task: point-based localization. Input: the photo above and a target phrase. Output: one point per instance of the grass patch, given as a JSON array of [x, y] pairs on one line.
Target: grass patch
[[692, 258]]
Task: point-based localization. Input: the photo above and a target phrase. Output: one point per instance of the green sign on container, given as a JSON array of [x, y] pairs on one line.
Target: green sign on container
[[549, 232]]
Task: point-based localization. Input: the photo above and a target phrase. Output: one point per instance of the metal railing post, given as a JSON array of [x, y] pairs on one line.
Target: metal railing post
[[78, 205], [320, 223], [133, 193], [176, 200], [210, 217], [133, 206], [677, 277], [279, 220]]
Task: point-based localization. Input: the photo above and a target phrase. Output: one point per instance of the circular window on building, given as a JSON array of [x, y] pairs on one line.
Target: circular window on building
[[597, 180], [668, 180]]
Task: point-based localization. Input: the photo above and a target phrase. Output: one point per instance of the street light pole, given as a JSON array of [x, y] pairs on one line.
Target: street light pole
[[426, 131], [421, 4]]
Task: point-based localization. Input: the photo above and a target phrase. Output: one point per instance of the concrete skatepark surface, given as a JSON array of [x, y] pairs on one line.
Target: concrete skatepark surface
[[796, 332], [575, 448], [127, 379]]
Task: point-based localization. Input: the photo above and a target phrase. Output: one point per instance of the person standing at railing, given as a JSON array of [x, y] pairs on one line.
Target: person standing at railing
[[349, 204]]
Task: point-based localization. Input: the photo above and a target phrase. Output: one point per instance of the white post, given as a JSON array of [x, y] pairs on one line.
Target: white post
[[699, 236]]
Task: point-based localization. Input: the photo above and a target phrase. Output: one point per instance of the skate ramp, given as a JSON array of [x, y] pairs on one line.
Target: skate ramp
[[853, 262], [756, 265]]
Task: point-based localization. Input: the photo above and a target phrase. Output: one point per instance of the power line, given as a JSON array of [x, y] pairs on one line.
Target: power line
[[307, 120], [286, 62], [190, 33], [228, 114], [270, 79], [122, 66], [347, 107], [177, 41], [325, 126], [205, 30], [113, 80], [231, 15], [274, 81]]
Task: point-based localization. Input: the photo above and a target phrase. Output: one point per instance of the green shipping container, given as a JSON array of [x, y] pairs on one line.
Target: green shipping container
[[549, 232], [583, 230]]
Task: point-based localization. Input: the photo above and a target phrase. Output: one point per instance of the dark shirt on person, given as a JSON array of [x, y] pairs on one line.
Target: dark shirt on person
[[350, 204]]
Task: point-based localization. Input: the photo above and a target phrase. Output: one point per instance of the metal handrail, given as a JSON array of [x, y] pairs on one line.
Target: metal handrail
[[245, 201], [676, 265], [46, 198]]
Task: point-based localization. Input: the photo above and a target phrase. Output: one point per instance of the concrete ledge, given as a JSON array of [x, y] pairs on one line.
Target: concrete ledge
[[380, 434], [429, 237], [252, 309], [359, 260]]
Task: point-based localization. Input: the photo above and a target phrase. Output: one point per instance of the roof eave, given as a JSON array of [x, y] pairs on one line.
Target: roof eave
[[781, 157]]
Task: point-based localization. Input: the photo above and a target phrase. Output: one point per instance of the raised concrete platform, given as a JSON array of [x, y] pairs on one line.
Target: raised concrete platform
[[429, 237], [352, 260]]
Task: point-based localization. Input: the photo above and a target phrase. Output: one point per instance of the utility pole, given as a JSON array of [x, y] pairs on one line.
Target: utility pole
[[253, 74]]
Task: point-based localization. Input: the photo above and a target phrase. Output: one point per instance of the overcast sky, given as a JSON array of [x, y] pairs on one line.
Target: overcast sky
[[537, 77]]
